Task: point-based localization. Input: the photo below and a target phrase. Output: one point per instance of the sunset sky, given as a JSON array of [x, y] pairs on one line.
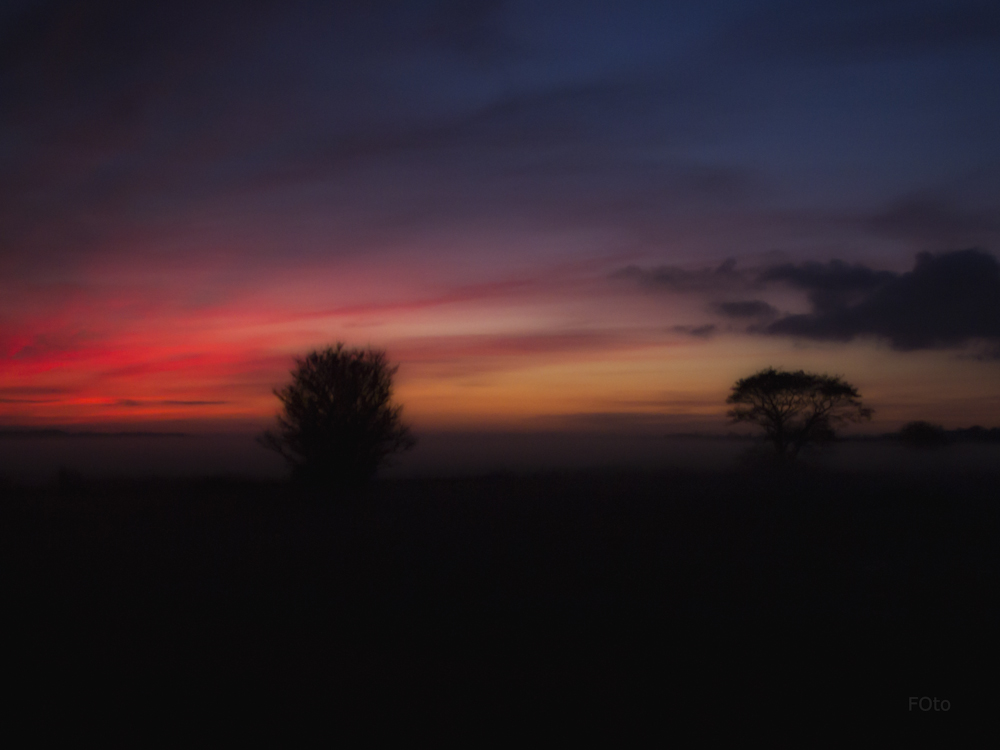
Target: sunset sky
[[571, 215]]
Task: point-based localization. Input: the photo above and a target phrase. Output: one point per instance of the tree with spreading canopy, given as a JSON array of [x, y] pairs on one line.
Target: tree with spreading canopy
[[338, 423], [795, 408]]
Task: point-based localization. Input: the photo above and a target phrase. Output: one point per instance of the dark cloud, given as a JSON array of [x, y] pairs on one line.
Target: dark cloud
[[829, 285], [746, 309], [947, 300]]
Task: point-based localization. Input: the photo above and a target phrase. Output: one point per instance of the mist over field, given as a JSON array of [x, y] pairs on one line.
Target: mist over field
[[38, 459]]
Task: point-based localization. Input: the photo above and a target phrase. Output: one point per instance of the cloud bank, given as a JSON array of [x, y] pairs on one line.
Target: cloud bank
[[947, 300]]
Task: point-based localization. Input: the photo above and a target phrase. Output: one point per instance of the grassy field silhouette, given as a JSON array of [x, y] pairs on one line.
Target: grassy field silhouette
[[639, 587]]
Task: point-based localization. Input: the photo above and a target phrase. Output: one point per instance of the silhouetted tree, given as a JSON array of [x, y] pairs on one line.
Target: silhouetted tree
[[923, 435], [339, 424], [795, 408]]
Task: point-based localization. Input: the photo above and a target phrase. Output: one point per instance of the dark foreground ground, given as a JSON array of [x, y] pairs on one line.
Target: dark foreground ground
[[648, 595]]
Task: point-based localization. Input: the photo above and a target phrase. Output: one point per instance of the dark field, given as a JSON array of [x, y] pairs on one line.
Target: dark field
[[649, 593]]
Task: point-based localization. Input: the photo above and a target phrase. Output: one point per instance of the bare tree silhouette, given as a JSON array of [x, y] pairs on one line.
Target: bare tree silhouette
[[795, 408], [338, 424]]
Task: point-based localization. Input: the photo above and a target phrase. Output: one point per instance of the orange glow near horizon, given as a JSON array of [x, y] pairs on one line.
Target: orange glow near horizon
[[520, 353]]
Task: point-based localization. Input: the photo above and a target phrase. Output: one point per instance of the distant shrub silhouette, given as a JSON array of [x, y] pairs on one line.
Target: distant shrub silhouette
[[923, 435], [977, 434], [339, 424], [795, 408]]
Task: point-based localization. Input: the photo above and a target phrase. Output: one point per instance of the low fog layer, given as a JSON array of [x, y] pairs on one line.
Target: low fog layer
[[39, 459]]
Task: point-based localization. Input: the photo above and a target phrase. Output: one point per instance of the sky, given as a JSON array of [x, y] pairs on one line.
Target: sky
[[551, 215]]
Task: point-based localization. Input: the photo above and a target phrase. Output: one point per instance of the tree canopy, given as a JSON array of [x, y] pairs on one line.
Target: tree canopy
[[795, 408], [338, 422]]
